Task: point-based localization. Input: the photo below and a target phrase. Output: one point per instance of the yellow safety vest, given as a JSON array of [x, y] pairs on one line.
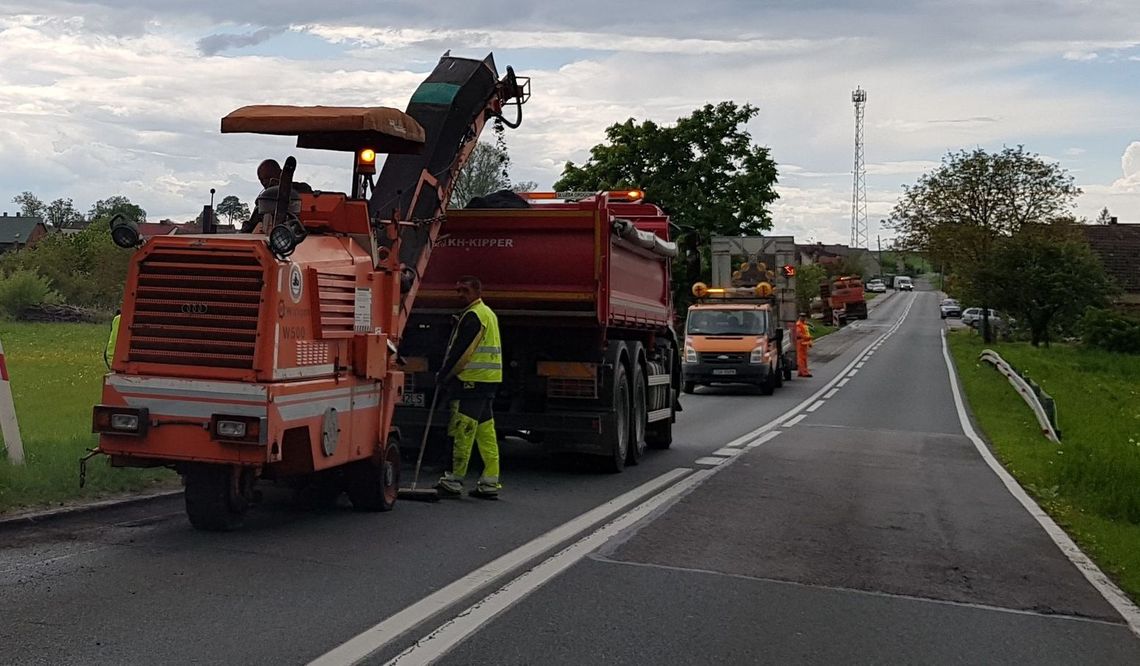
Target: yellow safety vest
[[109, 351], [485, 363]]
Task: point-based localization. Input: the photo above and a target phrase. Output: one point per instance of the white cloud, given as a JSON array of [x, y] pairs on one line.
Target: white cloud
[[121, 100], [1080, 56]]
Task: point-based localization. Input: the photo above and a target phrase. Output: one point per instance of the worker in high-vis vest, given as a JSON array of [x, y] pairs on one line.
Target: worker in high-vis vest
[[471, 372], [803, 344], [109, 350]]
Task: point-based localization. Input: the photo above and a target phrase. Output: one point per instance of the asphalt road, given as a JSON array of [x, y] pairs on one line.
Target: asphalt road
[[869, 531]]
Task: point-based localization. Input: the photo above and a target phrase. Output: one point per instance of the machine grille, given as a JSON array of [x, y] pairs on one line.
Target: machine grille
[[724, 357], [197, 307]]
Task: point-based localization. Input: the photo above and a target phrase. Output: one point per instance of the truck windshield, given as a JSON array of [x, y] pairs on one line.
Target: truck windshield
[[727, 322]]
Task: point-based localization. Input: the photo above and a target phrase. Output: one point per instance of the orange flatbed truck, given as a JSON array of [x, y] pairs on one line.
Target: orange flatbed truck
[[274, 354]]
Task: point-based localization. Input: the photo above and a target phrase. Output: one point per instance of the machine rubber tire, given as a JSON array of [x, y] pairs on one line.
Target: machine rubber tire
[[778, 376], [638, 417], [211, 503], [787, 372], [768, 386], [373, 486], [615, 461], [689, 387]]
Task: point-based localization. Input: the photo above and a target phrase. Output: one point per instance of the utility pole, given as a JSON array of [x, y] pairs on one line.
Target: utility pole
[[879, 241]]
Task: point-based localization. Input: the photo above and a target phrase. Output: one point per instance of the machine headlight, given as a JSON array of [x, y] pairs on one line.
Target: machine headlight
[[690, 354], [757, 355], [282, 240]]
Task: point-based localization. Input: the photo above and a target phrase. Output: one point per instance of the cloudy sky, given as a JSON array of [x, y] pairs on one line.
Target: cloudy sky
[[124, 97]]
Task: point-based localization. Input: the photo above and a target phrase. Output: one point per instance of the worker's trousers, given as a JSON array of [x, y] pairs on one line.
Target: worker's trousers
[[473, 424], [802, 359]]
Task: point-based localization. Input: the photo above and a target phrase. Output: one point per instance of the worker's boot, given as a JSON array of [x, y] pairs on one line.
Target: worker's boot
[[450, 485], [487, 488]]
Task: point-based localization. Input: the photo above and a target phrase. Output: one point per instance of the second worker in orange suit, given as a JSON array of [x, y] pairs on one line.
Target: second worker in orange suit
[[803, 344]]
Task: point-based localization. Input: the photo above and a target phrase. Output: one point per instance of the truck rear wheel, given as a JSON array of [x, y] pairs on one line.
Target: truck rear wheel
[[619, 438], [639, 414], [689, 387], [213, 500], [373, 485]]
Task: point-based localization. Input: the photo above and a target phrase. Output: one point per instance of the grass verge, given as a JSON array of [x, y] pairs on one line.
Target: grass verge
[[1090, 484], [57, 374]]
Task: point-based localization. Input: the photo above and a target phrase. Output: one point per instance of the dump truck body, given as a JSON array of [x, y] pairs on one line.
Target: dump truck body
[[583, 296]]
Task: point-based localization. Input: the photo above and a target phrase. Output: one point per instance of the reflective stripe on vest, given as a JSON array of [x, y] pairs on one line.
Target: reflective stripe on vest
[[486, 363]]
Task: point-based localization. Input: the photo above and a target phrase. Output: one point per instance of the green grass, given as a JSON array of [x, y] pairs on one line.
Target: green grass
[[57, 372], [819, 330], [1090, 484]]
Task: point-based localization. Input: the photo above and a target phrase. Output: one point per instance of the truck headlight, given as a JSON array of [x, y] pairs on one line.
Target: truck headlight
[[115, 420], [690, 354], [757, 355], [244, 429]]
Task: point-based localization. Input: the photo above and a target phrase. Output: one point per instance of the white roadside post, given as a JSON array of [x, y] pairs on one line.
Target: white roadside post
[[8, 425]]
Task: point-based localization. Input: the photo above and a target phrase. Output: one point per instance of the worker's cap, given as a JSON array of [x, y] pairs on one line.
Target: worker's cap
[[803, 314]]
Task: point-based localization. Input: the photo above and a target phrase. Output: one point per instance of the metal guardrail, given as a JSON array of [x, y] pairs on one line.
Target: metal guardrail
[[1042, 404]]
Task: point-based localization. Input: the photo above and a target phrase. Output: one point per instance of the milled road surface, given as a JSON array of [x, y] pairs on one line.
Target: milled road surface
[[870, 531]]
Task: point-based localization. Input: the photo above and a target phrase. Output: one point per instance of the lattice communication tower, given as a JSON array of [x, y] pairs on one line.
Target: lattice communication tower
[[859, 231]]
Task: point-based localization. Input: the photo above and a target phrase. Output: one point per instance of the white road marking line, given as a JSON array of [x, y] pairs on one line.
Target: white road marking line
[[817, 405], [727, 452], [1111, 593], [742, 439], [712, 461], [795, 421], [380, 635], [766, 437], [859, 365], [852, 373], [844, 382], [443, 639], [831, 394]]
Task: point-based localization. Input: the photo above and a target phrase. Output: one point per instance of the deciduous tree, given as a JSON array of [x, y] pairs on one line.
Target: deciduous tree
[[704, 171], [233, 209], [30, 205], [1045, 275], [958, 212], [107, 208]]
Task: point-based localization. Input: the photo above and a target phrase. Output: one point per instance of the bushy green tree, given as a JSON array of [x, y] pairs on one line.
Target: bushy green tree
[[956, 214], [21, 289], [107, 208], [809, 278], [704, 171], [86, 268], [1045, 275]]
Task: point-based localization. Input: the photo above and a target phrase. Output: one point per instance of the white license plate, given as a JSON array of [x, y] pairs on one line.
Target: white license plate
[[728, 371], [413, 400]]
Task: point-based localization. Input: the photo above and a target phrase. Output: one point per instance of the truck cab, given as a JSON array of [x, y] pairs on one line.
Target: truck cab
[[734, 343]]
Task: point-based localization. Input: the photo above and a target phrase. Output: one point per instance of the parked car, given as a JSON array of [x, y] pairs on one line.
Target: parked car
[[972, 317], [904, 283], [950, 308], [876, 286]]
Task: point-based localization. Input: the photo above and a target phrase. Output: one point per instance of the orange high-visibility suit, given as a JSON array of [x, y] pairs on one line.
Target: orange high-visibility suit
[[803, 343]]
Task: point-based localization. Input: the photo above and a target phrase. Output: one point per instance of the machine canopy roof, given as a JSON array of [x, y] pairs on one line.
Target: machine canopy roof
[[348, 128]]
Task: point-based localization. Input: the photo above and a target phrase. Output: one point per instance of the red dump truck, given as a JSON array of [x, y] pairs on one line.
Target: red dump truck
[[582, 291]]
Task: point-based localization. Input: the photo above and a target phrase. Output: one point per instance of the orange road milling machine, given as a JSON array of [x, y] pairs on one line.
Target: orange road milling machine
[[273, 354]]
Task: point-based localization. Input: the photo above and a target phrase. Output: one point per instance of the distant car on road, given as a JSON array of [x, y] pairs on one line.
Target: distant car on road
[[950, 308], [904, 283], [972, 317], [876, 286]]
